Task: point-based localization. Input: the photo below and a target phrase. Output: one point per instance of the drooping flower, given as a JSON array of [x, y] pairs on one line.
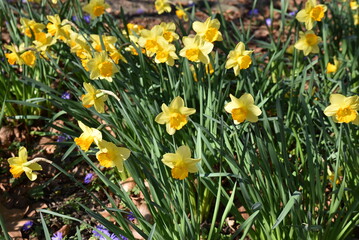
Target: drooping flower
[[110, 155], [181, 162], [196, 49], [19, 164], [311, 13], [209, 30], [239, 58], [29, 58], [101, 66], [96, 8], [175, 116], [14, 56], [30, 27], [162, 6], [343, 109], [243, 108], [166, 53], [308, 42], [88, 136], [94, 97], [57, 28], [332, 68]]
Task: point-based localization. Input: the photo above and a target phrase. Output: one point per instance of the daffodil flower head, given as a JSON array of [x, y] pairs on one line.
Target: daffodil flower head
[[162, 6], [166, 53], [19, 164], [181, 162], [169, 31], [308, 42], [96, 8], [239, 58], [30, 27], [101, 66], [343, 109], [196, 49], [94, 97], [332, 68], [181, 13], [331, 176], [311, 13], [108, 42], [175, 116], [243, 108], [110, 155], [14, 56], [88, 136], [209, 30], [149, 39], [57, 28]]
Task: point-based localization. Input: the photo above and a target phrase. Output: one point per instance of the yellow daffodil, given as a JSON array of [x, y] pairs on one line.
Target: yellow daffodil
[[88, 136], [308, 42], [166, 53], [239, 58], [332, 68], [162, 6], [30, 27], [149, 39], [96, 8], [209, 30], [290, 49], [196, 49], [79, 45], [181, 162], [175, 116], [94, 97], [356, 19], [181, 13], [311, 13], [101, 66], [331, 176], [19, 164], [134, 29], [108, 41], [112, 156], [354, 5], [243, 108], [169, 31], [14, 56], [57, 28], [43, 41], [343, 109], [29, 58]]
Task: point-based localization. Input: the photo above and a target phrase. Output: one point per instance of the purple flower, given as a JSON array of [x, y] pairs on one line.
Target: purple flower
[[88, 178], [105, 231], [130, 216], [87, 18], [66, 95], [293, 13], [140, 11], [74, 18], [63, 137], [57, 236], [269, 22], [253, 12], [27, 226]]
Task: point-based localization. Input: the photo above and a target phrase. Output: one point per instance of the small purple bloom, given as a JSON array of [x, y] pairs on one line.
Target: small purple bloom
[[269, 22], [293, 13], [253, 12], [63, 137], [27, 226], [140, 11], [130, 216], [74, 18], [88, 178], [102, 229], [66, 95], [191, 4], [57, 236], [87, 18]]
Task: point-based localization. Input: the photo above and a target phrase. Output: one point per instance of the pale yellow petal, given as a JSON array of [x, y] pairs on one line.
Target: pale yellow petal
[[184, 152]]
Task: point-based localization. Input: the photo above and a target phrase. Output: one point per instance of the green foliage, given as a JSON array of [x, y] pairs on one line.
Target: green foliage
[[275, 169]]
